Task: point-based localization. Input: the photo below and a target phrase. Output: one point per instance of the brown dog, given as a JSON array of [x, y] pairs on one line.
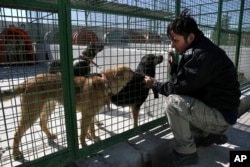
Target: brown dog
[[91, 96]]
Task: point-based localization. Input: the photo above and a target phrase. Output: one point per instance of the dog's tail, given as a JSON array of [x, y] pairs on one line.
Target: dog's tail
[[6, 95]]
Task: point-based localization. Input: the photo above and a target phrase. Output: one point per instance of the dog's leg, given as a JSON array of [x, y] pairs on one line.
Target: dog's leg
[[85, 125], [89, 135], [135, 112], [92, 130], [97, 122], [30, 113], [45, 114]]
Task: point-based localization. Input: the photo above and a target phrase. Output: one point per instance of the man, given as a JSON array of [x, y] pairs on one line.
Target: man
[[204, 93]]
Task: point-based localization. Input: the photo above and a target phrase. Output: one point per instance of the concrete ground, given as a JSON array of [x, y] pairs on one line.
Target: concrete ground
[[147, 149]]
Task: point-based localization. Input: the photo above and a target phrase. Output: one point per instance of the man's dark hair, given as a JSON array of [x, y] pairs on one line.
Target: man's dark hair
[[183, 25]]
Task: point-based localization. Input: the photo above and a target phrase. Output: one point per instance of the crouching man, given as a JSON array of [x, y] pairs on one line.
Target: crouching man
[[204, 93]]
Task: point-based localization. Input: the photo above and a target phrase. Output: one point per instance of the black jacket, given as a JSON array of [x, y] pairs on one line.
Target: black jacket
[[206, 73]]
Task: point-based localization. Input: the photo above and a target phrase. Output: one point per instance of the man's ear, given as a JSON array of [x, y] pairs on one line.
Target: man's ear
[[191, 37]]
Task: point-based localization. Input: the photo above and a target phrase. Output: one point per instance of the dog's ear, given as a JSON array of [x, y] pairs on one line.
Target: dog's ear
[[90, 45], [148, 59]]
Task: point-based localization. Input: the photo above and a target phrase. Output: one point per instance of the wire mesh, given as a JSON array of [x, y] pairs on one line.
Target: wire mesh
[[129, 44], [127, 40], [244, 73], [20, 30], [224, 31]]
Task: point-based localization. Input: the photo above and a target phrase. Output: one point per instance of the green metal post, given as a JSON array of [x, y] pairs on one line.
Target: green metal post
[[237, 53], [177, 13], [219, 21], [177, 8], [67, 76]]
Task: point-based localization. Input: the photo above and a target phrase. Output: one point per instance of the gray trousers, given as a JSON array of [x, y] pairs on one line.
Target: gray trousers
[[183, 112]]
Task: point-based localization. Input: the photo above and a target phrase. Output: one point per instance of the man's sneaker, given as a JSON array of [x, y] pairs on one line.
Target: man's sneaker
[[210, 139], [177, 159]]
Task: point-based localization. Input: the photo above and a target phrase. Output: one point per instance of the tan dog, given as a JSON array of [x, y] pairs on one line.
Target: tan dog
[[91, 96]]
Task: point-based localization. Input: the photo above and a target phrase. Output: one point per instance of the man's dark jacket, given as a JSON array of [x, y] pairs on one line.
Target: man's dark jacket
[[206, 73]]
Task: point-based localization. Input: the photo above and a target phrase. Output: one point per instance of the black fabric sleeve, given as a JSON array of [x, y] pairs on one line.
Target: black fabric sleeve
[[191, 77]]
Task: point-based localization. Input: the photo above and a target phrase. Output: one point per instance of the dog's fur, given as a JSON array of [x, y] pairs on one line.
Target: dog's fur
[[91, 94], [81, 64], [135, 93]]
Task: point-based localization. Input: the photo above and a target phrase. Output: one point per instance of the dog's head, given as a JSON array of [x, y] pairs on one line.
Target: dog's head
[[81, 67], [148, 64], [119, 73], [118, 77], [92, 49], [55, 67]]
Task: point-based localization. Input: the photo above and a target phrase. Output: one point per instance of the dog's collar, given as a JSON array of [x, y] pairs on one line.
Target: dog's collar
[[85, 56], [106, 83]]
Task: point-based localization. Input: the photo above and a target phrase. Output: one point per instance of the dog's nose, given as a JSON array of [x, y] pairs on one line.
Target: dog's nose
[[161, 58], [139, 75]]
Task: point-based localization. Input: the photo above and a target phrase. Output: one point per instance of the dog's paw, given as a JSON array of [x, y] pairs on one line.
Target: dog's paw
[[93, 138], [52, 137], [84, 144], [99, 123], [88, 136], [96, 138], [18, 156]]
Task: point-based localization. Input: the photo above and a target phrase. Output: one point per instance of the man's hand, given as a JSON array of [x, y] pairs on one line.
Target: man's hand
[[149, 81], [171, 59]]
